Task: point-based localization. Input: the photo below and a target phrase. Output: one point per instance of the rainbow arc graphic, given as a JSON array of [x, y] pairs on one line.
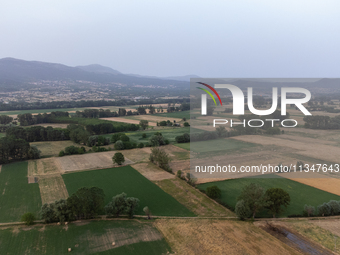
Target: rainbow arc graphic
[[209, 93]]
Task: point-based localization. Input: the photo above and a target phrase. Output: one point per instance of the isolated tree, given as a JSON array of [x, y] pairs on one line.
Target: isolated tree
[[179, 174], [144, 124], [277, 198], [254, 197], [132, 205], [147, 211], [157, 140], [152, 109], [242, 210], [118, 158], [213, 192], [28, 218]]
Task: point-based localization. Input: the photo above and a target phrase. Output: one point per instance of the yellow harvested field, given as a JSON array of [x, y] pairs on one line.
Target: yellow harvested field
[[89, 161], [307, 147], [125, 120], [331, 185], [198, 236], [152, 172], [52, 188]]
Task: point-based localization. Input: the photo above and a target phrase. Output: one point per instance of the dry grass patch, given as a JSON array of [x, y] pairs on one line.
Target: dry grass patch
[[219, 237], [137, 155], [319, 231], [90, 161], [52, 148], [332, 225], [193, 199], [52, 188], [121, 237], [44, 166], [152, 172], [183, 165]]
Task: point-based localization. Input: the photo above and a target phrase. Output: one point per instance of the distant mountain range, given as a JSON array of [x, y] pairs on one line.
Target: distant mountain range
[[16, 73]]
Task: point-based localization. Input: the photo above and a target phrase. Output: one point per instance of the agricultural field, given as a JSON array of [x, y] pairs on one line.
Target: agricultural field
[[126, 179], [219, 146], [300, 194], [196, 201], [52, 148], [179, 115], [16, 195], [206, 236], [96, 237], [168, 133]]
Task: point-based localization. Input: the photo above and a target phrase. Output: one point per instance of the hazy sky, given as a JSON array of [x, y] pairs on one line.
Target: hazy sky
[[235, 38]]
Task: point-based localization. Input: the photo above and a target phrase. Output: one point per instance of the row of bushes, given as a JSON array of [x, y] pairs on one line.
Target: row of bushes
[[325, 209]]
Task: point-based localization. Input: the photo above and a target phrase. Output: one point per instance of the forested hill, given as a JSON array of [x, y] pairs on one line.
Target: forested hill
[[16, 74]]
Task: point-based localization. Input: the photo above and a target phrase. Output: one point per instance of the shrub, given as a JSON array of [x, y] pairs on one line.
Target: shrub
[[213, 192], [61, 153], [335, 207], [242, 210], [147, 211], [158, 140], [324, 209], [28, 218], [144, 135], [70, 150], [179, 174], [140, 145], [161, 158], [186, 124], [309, 210], [185, 138], [119, 145], [118, 158]]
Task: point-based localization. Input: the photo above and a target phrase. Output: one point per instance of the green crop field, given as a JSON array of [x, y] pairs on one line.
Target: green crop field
[[16, 195], [300, 194], [126, 179], [92, 238], [180, 115], [169, 134], [2, 135]]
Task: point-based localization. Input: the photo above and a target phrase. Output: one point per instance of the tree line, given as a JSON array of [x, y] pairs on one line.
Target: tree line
[[87, 203], [13, 148], [322, 122], [84, 103]]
